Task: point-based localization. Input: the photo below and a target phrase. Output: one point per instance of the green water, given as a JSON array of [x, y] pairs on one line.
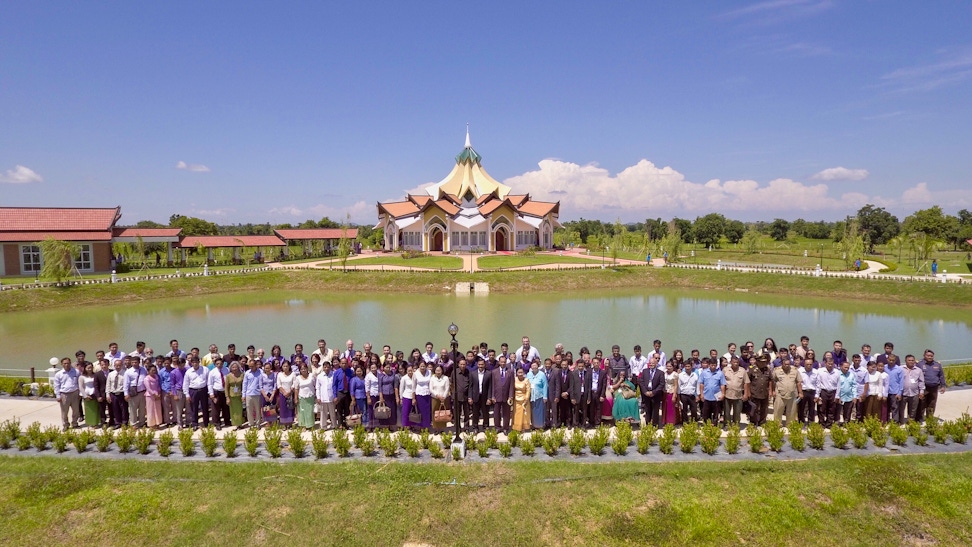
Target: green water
[[681, 319]]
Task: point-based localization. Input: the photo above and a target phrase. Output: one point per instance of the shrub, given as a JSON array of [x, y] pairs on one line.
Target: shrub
[[959, 433], [598, 440], [646, 438], [4, 439], [470, 441], [755, 438], [82, 440], [41, 438], [446, 438], [251, 441], [921, 439], [341, 443], [389, 446], [296, 443], [104, 440], [230, 442], [24, 442], [623, 432], [319, 444], [913, 428], [880, 437], [932, 427], [898, 434], [33, 431], [688, 437], [456, 453], [774, 435], [666, 443], [941, 435], [413, 448], [965, 421], [164, 444], [491, 438], [711, 436], [60, 443], [143, 440], [576, 442], [526, 446], [798, 440], [559, 436], [435, 450], [186, 445], [125, 439], [550, 445], [425, 438], [52, 432], [733, 439], [12, 427], [367, 448], [871, 425], [411, 253], [858, 435], [839, 437], [505, 450], [815, 436], [513, 438], [359, 433], [403, 437], [207, 440]]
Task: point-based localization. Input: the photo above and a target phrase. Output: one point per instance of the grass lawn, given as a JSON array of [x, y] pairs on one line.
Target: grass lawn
[[852, 500], [512, 261], [430, 262]]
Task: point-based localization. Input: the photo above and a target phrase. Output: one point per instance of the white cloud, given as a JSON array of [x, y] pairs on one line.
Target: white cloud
[[841, 173], [20, 175], [954, 65], [778, 11], [360, 212], [194, 167], [206, 213]]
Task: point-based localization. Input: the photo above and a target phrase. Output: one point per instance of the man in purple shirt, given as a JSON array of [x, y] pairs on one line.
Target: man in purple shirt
[[178, 400]]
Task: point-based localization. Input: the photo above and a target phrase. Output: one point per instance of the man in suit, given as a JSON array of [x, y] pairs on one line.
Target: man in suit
[[480, 383], [579, 389], [599, 381], [652, 384], [565, 409], [101, 388], [501, 393], [461, 383], [553, 393]]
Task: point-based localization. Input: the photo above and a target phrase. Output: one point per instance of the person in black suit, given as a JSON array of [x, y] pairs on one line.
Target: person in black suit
[[501, 394], [101, 388], [599, 381], [480, 385], [565, 408], [461, 383], [652, 384], [579, 390], [553, 393]]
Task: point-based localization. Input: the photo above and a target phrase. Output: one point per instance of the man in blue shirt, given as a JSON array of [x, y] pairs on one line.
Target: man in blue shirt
[[711, 381], [251, 394], [895, 387], [342, 390]]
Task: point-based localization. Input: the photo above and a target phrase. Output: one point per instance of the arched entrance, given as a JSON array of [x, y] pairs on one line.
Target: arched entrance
[[435, 240], [500, 242]]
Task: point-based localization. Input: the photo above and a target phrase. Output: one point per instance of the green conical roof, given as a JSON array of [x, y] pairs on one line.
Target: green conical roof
[[468, 154]]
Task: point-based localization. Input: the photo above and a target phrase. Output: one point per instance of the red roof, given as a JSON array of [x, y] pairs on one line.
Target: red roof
[[57, 219], [26, 237], [191, 242], [316, 233], [146, 232]]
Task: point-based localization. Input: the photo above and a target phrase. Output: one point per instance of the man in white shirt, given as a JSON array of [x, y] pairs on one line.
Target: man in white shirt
[[325, 397], [532, 353], [174, 350], [688, 392], [216, 386], [349, 352], [430, 356], [115, 386], [135, 392], [196, 383], [325, 353], [139, 351], [113, 353], [67, 393], [731, 353], [662, 359], [637, 364]]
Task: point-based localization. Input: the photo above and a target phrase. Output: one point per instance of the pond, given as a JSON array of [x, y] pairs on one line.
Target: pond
[[679, 318]]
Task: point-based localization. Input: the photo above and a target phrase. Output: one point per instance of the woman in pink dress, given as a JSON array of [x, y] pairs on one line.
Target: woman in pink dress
[[153, 398], [671, 394], [607, 406]]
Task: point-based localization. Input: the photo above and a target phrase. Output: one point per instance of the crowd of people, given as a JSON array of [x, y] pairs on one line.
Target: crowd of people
[[485, 388]]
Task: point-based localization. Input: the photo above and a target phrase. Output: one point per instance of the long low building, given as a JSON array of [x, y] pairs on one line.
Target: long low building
[[23, 228]]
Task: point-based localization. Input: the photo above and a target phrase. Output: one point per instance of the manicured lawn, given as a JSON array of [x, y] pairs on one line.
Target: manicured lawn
[[513, 261], [429, 262], [877, 500]]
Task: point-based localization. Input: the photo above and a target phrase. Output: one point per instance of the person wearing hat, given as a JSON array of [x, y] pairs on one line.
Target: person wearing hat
[[760, 377]]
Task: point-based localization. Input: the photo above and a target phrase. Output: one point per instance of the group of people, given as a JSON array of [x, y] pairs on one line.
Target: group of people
[[485, 388]]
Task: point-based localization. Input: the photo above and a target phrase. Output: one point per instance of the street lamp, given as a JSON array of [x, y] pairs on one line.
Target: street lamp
[[456, 441]]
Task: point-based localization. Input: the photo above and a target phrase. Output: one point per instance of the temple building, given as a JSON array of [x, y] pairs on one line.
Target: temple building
[[468, 211]]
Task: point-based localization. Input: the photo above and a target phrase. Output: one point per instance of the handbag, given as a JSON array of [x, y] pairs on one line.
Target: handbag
[[627, 392], [269, 411], [442, 415], [354, 420], [382, 412], [290, 403], [414, 416]]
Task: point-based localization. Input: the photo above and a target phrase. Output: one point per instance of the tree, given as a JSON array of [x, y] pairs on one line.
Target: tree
[[683, 226], [148, 224], [344, 244], [853, 243], [656, 229], [672, 244], [879, 225], [192, 226], [735, 230], [929, 221], [58, 258], [751, 240], [898, 242], [779, 230], [708, 230]]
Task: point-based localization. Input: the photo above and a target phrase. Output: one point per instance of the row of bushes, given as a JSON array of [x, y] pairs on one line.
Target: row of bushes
[[21, 387], [958, 375], [707, 437]]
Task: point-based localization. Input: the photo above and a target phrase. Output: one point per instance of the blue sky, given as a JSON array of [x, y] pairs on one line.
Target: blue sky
[[254, 112]]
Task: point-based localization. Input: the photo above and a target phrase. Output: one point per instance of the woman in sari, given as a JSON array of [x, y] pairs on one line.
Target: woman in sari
[[538, 395], [439, 387], [234, 393], [153, 399], [285, 394], [625, 408], [305, 385], [388, 395], [423, 395], [406, 390], [268, 389], [520, 402], [89, 394]]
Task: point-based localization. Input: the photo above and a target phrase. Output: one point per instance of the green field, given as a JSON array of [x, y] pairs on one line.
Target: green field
[[878, 500], [514, 261], [427, 262]]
